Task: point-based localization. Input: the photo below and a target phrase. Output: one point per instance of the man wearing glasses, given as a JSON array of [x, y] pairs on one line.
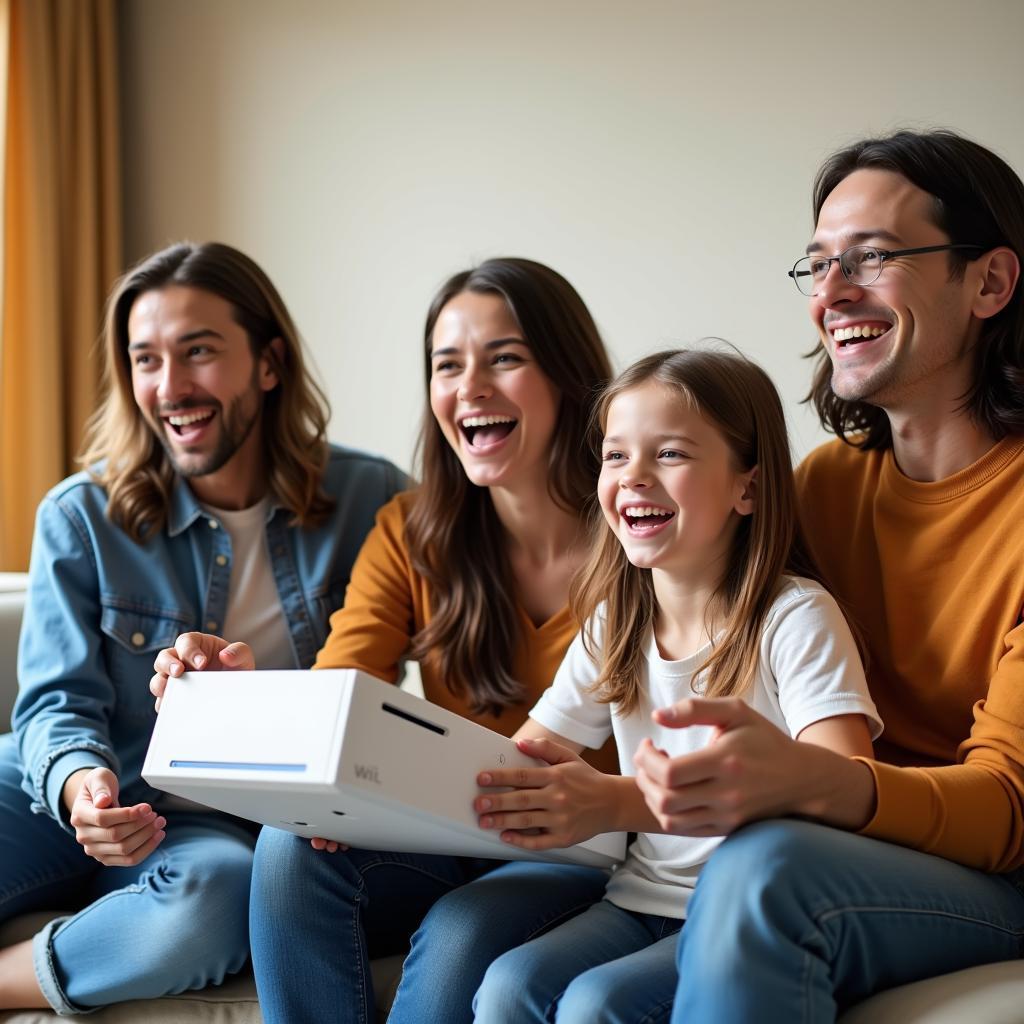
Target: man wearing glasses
[[916, 516]]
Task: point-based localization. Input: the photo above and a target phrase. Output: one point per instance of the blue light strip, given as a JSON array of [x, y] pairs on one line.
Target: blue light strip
[[242, 766]]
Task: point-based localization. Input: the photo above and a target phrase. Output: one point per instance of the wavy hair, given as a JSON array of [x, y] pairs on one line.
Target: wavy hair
[[978, 199], [455, 538], [120, 449], [739, 399]]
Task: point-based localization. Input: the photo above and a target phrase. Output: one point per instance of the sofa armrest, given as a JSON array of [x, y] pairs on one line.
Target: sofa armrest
[[12, 604]]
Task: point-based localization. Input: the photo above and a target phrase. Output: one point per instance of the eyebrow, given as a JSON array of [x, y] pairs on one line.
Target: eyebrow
[[203, 332], [489, 346], [661, 439], [860, 237]]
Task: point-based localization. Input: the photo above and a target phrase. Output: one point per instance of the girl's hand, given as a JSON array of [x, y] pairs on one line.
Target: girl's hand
[[553, 806], [327, 845], [197, 651]]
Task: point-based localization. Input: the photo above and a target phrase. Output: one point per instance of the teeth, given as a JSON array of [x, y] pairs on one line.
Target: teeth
[[486, 421], [639, 511], [185, 420], [849, 333]]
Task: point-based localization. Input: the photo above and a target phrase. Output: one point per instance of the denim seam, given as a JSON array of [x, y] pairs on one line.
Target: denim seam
[[655, 1012], [825, 916], [567, 914], [822, 919], [356, 943], [369, 865], [72, 516], [805, 985], [45, 967]]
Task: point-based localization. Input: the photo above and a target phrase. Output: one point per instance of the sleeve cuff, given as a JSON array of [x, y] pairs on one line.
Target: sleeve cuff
[[58, 773], [572, 730], [901, 815]]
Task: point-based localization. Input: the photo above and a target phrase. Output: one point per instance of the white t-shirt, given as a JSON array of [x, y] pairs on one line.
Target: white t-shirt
[[808, 670], [254, 610]]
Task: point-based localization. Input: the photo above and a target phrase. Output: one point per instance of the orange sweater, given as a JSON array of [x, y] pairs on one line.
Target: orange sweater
[[388, 602], [933, 574]]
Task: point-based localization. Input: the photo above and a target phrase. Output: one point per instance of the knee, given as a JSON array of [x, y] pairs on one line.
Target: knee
[[507, 990], [457, 921], [590, 1000], [767, 871], [210, 897]]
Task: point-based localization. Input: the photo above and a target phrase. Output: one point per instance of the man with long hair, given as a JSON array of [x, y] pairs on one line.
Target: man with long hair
[[916, 516], [210, 499]]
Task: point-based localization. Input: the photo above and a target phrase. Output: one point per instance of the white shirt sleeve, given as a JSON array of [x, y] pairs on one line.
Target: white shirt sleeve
[[811, 654], [568, 707]]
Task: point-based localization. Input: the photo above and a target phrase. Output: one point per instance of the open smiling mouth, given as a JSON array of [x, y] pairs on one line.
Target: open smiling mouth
[[184, 423], [645, 518], [845, 337], [486, 431]]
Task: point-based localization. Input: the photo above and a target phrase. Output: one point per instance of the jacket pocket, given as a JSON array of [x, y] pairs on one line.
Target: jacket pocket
[[132, 638]]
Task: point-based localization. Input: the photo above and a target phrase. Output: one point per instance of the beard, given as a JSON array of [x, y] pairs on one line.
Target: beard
[[236, 426]]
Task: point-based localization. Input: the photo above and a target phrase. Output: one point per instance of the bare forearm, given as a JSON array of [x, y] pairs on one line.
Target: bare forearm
[[631, 813], [836, 790]]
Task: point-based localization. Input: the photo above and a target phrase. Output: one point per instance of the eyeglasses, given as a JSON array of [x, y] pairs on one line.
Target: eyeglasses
[[860, 264]]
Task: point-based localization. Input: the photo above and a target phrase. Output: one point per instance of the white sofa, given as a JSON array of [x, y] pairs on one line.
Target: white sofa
[[993, 994]]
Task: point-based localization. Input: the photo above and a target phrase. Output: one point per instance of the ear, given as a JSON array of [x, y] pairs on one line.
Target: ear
[[268, 372], [747, 499], [998, 274]]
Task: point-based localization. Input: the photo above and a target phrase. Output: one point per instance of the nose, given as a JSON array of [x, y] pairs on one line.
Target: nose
[[174, 384], [635, 477], [835, 288], [475, 384]]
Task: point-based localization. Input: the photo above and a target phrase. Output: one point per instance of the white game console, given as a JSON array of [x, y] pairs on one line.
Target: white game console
[[339, 754]]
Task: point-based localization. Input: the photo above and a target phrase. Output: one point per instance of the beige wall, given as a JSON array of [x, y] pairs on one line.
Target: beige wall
[[658, 154]]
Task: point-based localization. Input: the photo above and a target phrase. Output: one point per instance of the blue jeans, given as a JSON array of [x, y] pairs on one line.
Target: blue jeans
[[606, 966], [795, 922], [176, 921], [317, 918]]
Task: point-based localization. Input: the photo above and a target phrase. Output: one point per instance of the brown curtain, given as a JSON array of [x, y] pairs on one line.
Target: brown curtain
[[61, 243]]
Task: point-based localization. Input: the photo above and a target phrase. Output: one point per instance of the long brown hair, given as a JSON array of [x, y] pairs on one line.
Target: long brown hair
[[120, 448], [455, 538], [739, 399], [977, 200]]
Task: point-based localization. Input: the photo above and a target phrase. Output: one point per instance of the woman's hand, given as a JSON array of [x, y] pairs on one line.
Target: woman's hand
[[551, 806], [198, 651], [752, 770]]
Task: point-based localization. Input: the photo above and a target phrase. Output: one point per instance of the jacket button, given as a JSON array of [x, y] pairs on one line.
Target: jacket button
[[138, 639], [211, 625], [221, 559], [213, 523]]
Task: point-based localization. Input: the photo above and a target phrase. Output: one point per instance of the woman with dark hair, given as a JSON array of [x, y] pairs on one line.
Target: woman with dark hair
[[469, 574]]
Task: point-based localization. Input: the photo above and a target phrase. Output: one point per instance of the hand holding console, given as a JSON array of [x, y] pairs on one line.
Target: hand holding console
[[200, 651]]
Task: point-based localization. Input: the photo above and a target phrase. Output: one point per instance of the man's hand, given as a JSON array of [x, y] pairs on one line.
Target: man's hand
[[198, 651], [113, 835], [751, 770], [557, 805]]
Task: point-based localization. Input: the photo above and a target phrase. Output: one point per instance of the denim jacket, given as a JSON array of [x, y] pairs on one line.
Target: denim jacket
[[100, 606]]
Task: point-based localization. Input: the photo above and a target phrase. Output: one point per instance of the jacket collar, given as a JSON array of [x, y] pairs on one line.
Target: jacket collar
[[185, 508]]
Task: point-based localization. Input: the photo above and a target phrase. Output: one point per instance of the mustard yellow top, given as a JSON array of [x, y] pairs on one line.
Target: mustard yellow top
[[933, 574], [388, 602]]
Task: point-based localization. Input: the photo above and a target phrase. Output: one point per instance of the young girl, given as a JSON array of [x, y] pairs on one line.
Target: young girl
[[699, 585], [469, 573]]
